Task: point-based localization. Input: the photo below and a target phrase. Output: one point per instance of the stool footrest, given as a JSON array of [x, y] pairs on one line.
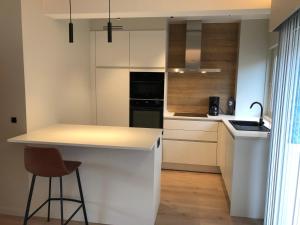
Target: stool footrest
[[65, 199], [61, 199], [71, 217], [58, 199]]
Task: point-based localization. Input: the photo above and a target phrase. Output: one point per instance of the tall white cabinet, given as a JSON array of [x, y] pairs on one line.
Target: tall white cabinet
[[112, 91], [111, 66]]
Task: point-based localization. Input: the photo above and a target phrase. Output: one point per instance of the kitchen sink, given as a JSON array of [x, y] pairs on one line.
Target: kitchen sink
[[248, 126]]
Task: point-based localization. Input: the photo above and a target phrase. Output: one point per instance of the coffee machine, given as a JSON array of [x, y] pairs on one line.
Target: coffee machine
[[214, 105]]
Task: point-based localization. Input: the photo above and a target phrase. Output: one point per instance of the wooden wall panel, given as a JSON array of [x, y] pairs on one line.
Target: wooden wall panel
[[177, 42], [190, 92]]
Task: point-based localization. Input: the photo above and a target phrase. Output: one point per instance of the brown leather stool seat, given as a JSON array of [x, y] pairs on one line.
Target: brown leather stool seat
[[72, 166], [48, 162]]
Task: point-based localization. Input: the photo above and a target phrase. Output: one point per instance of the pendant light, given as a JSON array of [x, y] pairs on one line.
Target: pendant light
[[71, 32], [109, 25]]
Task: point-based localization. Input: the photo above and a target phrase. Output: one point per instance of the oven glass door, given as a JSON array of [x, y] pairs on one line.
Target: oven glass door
[[147, 118], [146, 90]]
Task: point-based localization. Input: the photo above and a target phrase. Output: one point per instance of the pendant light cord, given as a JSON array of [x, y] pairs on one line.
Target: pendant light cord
[[109, 10], [70, 4], [71, 29]]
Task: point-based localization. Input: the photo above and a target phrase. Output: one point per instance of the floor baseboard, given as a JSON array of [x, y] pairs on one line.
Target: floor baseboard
[[190, 168]]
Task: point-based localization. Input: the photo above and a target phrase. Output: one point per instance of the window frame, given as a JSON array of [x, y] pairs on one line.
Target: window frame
[[269, 87]]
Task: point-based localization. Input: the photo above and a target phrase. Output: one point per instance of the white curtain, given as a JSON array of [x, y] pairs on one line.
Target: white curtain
[[283, 194]]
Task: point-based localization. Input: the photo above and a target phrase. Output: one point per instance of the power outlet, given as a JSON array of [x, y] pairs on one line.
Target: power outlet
[[13, 120]]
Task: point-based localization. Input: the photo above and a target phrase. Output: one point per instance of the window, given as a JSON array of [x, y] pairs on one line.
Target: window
[[269, 86], [283, 196]]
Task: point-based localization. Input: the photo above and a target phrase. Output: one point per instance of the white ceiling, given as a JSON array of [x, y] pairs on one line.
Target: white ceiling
[[184, 9]]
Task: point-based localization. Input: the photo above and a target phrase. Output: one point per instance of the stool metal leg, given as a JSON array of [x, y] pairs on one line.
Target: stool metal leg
[[29, 200], [49, 197], [61, 202], [81, 197]]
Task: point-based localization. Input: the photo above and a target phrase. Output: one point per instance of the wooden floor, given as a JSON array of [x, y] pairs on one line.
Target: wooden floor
[[186, 199]]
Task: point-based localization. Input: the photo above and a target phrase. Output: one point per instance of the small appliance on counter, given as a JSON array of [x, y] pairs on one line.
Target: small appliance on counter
[[230, 106], [214, 105]]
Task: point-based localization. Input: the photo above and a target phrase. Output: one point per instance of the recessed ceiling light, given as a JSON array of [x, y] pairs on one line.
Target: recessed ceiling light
[[203, 71]]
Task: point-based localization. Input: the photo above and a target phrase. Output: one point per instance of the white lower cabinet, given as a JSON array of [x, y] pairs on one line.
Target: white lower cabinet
[[225, 156], [244, 164], [189, 152], [190, 143]]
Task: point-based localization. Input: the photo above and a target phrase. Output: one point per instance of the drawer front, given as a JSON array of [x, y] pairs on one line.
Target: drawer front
[[191, 135], [188, 152], [191, 125]]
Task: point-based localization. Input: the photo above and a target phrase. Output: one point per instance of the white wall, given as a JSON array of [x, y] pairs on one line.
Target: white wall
[[13, 179], [57, 74], [251, 66], [157, 8]]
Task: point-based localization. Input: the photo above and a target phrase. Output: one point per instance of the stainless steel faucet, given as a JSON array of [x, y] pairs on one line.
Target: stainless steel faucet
[[261, 119]]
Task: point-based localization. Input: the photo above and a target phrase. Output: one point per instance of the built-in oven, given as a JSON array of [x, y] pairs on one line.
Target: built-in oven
[[146, 99], [146, 113], [147, 85]]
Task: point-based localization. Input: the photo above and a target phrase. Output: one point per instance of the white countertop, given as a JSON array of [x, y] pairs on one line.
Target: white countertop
[[225, 119], [92, 136]]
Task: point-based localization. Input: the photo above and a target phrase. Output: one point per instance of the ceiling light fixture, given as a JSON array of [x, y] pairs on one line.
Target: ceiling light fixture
[[71, 32], [109, 25]]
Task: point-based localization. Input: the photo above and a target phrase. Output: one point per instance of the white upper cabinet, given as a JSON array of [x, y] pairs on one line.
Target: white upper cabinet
[[147, 49], [115, 54]]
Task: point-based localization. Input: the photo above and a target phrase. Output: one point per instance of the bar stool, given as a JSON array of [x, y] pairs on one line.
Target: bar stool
[[48, 162]]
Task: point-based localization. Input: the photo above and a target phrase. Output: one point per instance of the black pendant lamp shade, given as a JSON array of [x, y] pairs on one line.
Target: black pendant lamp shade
[[109, 32], [71, 29], [71, 33], [109, 25]]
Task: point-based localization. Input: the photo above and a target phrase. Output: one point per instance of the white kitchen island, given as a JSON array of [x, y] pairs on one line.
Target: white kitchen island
[[120, 171]]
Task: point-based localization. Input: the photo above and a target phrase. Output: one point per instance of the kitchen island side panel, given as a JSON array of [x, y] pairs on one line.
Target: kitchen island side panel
[[121, 187]]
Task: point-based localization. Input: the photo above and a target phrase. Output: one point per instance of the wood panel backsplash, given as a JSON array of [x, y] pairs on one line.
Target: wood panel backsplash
[[190, 92]]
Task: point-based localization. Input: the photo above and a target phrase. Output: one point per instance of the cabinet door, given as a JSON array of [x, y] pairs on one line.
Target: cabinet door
[[228, 160], [190, 135], [147, 49], [112, 89], [191, 125], [221, 148], [115, 54], [189, 152]]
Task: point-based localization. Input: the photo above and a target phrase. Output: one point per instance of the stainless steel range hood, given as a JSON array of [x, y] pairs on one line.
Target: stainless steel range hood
[[193, 51]]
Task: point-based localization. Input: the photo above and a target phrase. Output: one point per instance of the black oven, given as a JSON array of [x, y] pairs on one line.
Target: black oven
[[146, 113], [147, 85]]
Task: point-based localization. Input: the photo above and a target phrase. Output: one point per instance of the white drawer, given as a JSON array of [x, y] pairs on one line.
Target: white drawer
[[191, 135], [188, 152], [191, 125]]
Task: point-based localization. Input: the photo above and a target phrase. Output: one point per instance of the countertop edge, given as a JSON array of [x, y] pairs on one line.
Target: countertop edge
[[21, 139], [15, 141], [225, 119]]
